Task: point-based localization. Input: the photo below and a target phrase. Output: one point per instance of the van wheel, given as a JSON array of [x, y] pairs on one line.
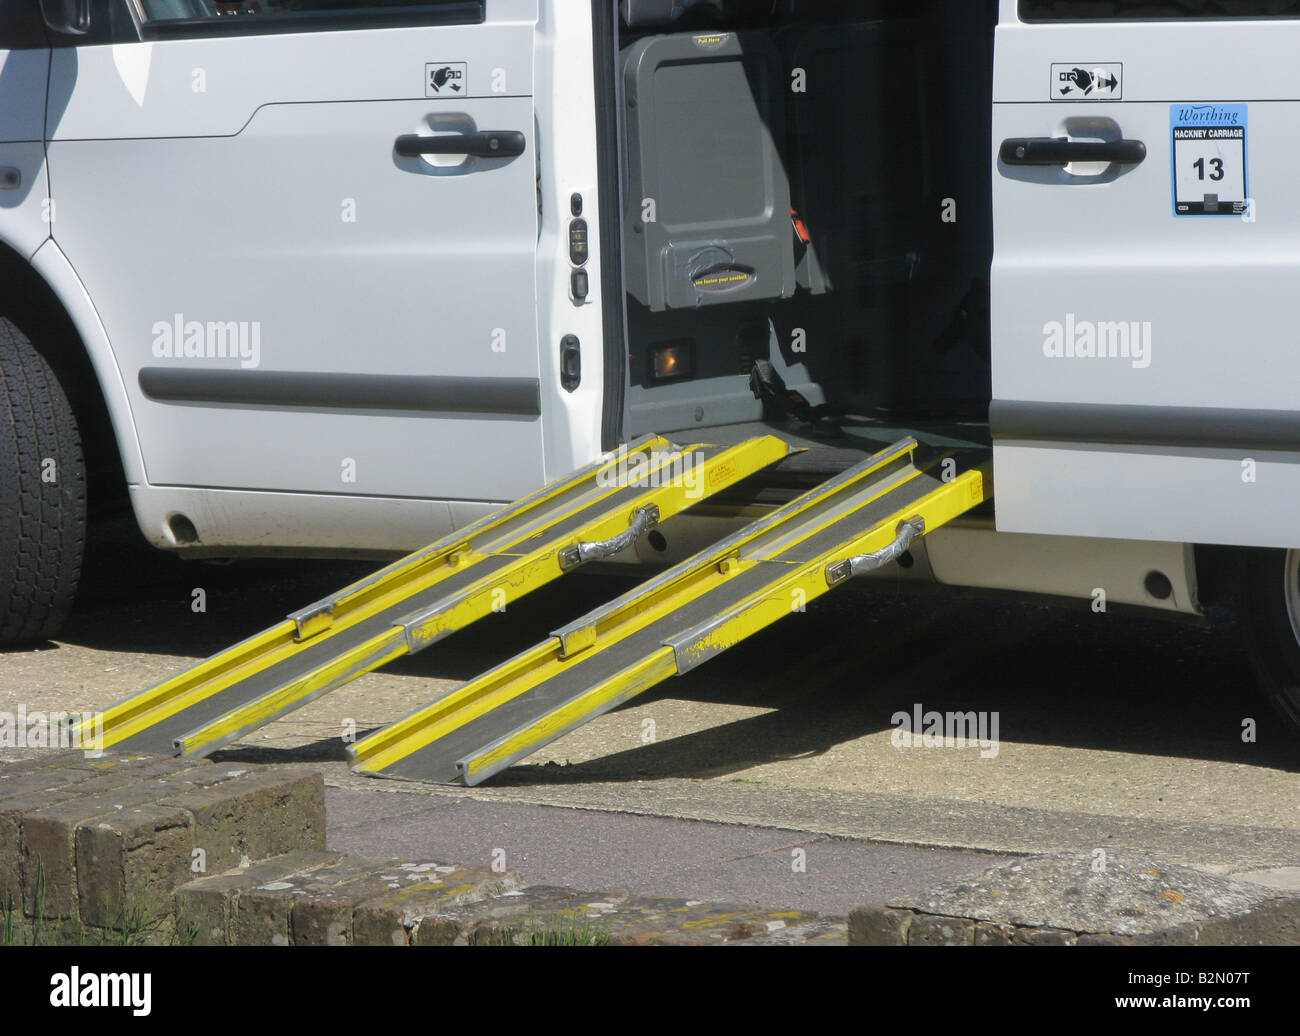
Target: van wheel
[[1269, 613], [42, 494]]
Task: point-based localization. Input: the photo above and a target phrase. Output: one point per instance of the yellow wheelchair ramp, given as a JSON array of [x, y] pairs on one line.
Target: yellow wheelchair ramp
[[861, 520], [594, 513]]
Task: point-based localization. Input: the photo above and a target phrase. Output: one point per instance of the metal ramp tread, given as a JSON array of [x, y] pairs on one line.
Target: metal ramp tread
[[416, 601], [859, 520]]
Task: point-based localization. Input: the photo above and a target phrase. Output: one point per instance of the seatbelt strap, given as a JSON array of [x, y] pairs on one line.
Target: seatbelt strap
[[770, 387]]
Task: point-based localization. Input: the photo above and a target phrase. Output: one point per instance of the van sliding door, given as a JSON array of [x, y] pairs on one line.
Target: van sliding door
[[1147, 229]]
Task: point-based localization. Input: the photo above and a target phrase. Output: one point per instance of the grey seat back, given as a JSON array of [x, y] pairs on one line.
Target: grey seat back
[[703, 112]]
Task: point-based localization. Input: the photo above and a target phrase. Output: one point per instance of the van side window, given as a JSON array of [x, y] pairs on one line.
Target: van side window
[[1149, 10], [21, 27], [178, 18]]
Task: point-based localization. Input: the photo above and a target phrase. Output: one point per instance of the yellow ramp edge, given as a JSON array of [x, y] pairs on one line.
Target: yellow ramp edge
[[791, 587]]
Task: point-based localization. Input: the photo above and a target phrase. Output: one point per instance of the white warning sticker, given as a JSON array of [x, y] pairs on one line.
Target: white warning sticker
[[446, 79], [1094, 81]]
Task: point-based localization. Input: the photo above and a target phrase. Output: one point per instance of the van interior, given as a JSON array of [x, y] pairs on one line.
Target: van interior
[[807, 228]]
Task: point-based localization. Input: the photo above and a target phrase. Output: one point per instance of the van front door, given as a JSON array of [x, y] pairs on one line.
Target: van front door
[[1147, 230], [24, 73], [328, 241]]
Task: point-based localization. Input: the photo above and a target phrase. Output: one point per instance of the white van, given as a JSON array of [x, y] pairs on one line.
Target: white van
[[340, 277]]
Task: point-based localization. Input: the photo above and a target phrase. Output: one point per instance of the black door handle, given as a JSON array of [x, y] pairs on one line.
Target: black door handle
[[488, 144], [1061, 151]]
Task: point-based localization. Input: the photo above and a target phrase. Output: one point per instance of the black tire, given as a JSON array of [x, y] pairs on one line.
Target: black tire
[[1267, 628], [42, 494]]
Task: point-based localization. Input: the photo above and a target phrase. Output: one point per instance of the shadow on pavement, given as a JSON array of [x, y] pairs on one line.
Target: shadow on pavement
[[1056, 675]]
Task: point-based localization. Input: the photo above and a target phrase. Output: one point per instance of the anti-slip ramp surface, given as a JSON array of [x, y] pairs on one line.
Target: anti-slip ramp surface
[[860, 520], [414, 602]]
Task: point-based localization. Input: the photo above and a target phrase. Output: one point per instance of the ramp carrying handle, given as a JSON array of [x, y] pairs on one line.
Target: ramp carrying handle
[[908, 530], [645, 519]]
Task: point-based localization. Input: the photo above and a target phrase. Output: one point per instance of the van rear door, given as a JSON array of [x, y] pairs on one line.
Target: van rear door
[[1146, 368]]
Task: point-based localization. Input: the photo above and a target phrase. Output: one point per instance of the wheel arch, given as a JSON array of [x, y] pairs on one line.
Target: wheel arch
[[48, 302]]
